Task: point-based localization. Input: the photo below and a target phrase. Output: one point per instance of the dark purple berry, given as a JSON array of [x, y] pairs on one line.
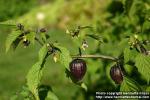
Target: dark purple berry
[[77, 69], [116, 74]]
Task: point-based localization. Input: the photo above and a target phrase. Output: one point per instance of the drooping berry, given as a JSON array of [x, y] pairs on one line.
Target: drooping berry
[[77, 69], [116, 74]]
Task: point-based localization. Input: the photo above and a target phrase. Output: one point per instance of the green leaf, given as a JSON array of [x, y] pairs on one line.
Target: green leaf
[[42, 53], [46, 93], [83, 85], [8, 23], [129, 55], [31, 37], [11, 38], [146, 27], [23, 94], [65, 57], [51, 96], [129, 85], [127, 6], [34, 78], [43, 36], [129, 69], [143, 65], [35, 73]]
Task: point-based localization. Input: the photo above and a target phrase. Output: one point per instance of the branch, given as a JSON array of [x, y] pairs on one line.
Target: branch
[[86, 56], [96, 56]]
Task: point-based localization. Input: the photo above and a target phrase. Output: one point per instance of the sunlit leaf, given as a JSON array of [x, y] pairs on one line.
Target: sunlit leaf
[[127, 5], [42, 53], [33, 78], [65, 57], [143, 65], [46, 93], [11, 38], [129, 55], [83, 85], [129, 85], [8, 23], [146, 27], [35, 73], [31, 37], [51, 96]]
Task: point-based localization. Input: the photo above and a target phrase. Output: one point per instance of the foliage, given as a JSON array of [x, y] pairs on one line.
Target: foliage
[[122, 32], [143, 65], [129, 85], [12, 38]]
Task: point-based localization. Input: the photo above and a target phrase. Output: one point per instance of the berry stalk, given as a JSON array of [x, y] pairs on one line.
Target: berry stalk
[[96, 56]]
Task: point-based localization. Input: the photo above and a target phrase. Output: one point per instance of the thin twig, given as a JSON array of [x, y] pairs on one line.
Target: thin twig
[[86, 56], [96, 56]]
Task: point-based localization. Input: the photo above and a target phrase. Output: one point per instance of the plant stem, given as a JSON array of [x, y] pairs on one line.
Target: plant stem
[[86, 56], [96, 56]]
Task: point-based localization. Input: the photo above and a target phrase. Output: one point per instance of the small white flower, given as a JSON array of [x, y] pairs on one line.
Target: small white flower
[[84, 45]]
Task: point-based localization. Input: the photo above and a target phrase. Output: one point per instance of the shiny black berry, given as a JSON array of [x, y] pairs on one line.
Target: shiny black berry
[[116, 74], [77, 69]]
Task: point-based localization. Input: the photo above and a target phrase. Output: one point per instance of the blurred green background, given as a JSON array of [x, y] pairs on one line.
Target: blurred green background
[[57, 15]]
